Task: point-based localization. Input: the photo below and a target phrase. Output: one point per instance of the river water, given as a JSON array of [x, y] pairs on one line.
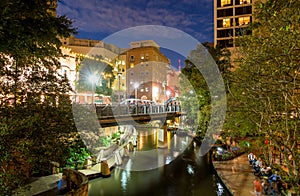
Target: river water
[[175, 168]]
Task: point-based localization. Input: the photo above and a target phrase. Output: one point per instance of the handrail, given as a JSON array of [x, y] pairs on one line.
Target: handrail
[[111, 111]]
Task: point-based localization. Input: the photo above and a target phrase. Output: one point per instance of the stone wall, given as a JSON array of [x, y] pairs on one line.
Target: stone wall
[[77, 183]]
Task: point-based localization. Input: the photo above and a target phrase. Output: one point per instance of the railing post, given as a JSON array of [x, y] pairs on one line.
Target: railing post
[[118, 159]]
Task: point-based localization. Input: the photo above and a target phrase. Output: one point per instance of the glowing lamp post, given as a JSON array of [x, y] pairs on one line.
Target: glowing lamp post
[[136, 85], [119, 87], [168, 93], [164, 84], [93, 79]]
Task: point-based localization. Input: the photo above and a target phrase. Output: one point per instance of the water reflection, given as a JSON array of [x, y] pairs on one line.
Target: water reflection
[[174, 168]]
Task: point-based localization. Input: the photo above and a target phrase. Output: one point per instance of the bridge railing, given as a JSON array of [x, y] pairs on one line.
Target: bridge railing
[[118, 110]]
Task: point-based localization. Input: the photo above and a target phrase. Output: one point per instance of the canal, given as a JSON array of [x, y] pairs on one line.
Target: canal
[[162, 163]]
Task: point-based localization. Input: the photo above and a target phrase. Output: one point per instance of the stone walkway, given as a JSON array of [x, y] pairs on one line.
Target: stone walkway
[[40, 186], [237, 175]]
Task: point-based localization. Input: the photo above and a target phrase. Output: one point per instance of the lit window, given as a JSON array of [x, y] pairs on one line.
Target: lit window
[[226, 22], [245, 1], [244, 20], [131, 65], [225, 2], [142, 57]]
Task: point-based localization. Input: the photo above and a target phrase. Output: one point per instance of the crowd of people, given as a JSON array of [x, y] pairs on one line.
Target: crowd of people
[[266, 182]]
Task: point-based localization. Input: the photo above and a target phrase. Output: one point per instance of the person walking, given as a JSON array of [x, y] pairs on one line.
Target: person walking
[[257, 186], [251, 158]]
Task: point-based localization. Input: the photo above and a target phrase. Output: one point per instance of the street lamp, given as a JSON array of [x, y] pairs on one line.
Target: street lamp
[[136, 85], [119, 87], [119, 92], [168, 93], [93, 79], [164, 86]]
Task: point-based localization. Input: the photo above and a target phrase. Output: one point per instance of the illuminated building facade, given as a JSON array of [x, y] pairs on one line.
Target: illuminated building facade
[[173, 83], [75, 50], [146, 71]]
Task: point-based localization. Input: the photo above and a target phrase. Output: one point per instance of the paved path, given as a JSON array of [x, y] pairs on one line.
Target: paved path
[[41, 185], [237, 175]]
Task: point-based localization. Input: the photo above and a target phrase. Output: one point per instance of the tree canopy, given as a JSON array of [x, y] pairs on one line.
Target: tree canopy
[[266, 82], [36, 124], [195, 93]]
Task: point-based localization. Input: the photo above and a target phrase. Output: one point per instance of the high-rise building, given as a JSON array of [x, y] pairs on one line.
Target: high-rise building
[[231, 19]]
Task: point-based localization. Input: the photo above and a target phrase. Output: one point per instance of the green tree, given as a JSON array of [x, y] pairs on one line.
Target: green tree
[[195, 93], [268, 80], [36, 124]]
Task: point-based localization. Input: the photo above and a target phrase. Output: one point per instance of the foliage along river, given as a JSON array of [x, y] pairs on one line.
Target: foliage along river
[[182, 173]]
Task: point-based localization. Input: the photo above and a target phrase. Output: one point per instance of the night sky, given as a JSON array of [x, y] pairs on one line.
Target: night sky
[[97, 19]]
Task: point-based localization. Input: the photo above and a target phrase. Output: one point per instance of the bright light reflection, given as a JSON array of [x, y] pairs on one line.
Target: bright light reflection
[[136, 85], [220, 189], [190, 169], [124, 180], [126, 174], [93, 79], [168, 160]]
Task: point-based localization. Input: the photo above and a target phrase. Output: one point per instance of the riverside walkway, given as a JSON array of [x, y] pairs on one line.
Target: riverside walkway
[[237, 175]]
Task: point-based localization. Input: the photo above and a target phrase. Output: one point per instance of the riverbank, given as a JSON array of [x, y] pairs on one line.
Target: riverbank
[[236, 175]]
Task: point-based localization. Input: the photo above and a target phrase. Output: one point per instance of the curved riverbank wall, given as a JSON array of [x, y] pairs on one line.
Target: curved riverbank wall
[[218, 174], [77, 181]]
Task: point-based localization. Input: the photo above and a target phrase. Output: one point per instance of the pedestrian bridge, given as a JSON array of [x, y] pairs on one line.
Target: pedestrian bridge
[[120, 114]]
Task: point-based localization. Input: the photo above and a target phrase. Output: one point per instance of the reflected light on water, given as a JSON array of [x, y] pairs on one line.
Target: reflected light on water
[[190, 169], [124, 180], [168, 160], [181, 173], [125, 177], [220, 189]]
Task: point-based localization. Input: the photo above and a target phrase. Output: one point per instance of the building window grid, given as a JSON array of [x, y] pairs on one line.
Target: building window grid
[[240, 17]]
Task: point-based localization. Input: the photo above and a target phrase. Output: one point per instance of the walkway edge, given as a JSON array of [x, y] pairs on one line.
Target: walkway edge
[[236, 175], [222, 180]]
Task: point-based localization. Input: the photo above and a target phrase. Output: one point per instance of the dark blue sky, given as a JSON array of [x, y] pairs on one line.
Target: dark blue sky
[[97, 19]]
